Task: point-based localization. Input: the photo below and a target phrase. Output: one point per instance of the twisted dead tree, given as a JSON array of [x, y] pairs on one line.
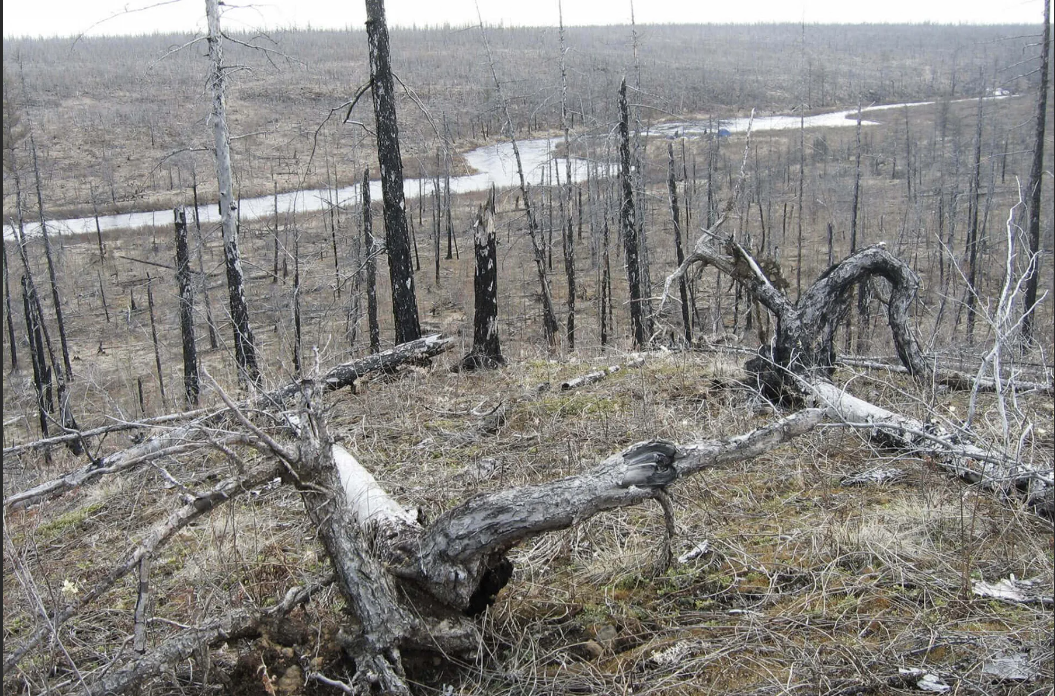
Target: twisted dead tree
[[805, 330], [797, 366]]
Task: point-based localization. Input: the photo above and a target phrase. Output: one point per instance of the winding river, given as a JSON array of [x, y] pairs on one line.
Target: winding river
[[492, 164]]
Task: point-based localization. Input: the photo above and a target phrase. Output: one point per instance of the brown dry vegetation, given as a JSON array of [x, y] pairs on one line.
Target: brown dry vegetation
[[809, 586]]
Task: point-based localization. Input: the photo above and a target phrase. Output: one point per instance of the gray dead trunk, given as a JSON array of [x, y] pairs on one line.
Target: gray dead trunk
[[1036, 170], [629, 226], [371, 266], [244, 346], [678, 249]]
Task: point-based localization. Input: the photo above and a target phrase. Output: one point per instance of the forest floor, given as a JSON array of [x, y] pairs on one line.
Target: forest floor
[[799, 582]]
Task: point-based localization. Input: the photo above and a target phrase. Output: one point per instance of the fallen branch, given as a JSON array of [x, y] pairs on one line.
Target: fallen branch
[[598, 375], [104, 429], [346, 374], [994, 471], [954, 379], [185, 438], [240, 623], [157, 537]]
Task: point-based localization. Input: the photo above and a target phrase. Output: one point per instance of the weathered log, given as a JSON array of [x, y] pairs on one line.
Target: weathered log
[[187, 437], [597, 375], [345, 374], [955, 379], [986, 467], [360, 527], [461, 546]]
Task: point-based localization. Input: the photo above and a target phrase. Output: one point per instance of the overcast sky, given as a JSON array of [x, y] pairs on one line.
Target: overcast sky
[[95, 17]]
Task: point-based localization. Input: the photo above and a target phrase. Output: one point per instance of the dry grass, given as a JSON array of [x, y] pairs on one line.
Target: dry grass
[[809, 586]]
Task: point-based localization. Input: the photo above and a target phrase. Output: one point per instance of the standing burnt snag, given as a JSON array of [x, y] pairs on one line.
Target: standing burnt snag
[[486, 350]]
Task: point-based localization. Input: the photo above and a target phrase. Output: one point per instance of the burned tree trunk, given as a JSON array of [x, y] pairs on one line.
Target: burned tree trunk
[[186, 309], [55, 298], [41, 371], [244, 347], [569, 237], [9, 317], [1036, 170], [550, 325], [486, 351], [371, 266], [682, 285], [154, 337], [397, 237], [214, 342], [629, 225]]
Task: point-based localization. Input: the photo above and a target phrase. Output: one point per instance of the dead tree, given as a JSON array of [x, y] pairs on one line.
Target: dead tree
[[629, 225], [1036, 170], [568, 237], [214, 342], [397, 236], [8, 314], [804, 340], [486, 351], [244, 346], [154, 337], [678, 249], [41, 370], [550, 325], [371, 266], [186, 309], [56, 299]]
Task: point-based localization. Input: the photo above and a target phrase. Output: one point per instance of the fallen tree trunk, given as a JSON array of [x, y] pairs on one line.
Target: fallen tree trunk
[[187, 436], [954, 379], [413, 587], [992, 470]]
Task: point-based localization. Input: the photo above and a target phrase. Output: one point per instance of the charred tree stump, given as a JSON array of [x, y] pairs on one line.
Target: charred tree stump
[[486, 351]]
